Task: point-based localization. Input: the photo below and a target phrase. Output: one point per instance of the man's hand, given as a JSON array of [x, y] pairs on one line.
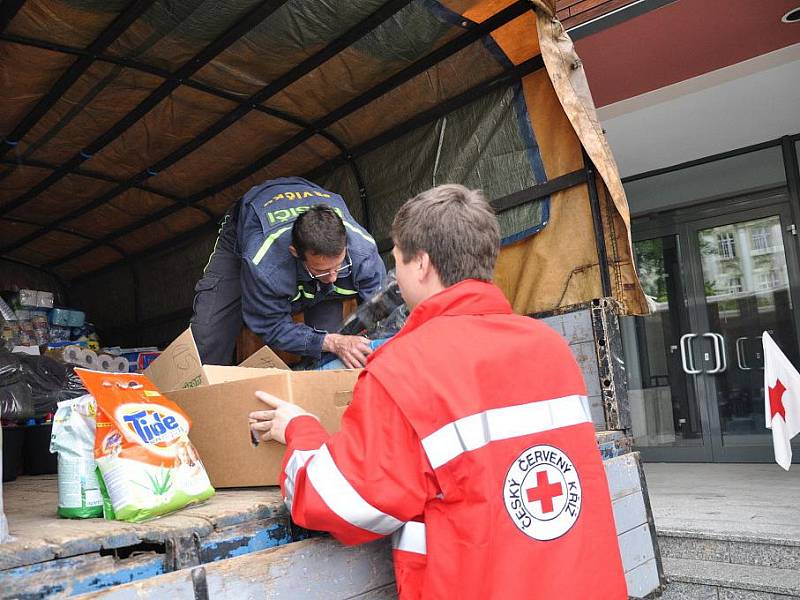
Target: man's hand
[[351, 349], [271, 424]]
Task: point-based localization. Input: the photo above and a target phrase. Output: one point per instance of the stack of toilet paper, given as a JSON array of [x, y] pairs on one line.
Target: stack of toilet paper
[[85, 357]]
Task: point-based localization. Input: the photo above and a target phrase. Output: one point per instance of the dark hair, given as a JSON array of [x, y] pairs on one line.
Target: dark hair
[[455, 226], [319, 230]]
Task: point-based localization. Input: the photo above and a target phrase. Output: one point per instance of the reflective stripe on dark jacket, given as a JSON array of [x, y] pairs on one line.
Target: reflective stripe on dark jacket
[[275, 284]]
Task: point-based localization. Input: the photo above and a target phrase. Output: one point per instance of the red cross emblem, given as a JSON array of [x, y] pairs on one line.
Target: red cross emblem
[[544, 491], [776, 406]]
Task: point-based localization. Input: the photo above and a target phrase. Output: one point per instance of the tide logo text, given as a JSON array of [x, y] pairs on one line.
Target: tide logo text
[[153, 427]]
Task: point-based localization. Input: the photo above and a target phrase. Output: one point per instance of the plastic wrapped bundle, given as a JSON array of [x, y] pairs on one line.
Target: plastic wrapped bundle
[[73, 436], [387, 327], [6, 312], [381, 316]]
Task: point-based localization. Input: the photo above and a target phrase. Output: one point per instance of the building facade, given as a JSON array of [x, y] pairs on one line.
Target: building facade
[[700, 103]]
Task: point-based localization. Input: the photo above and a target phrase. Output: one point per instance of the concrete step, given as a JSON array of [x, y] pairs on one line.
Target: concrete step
[[736, 548], [689, 579]]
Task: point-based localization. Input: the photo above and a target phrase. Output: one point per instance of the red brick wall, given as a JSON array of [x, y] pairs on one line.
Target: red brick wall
[[574, 12]]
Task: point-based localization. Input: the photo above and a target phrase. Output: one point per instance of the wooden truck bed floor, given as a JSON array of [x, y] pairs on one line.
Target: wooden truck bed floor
[[237, 545], [51, 554]]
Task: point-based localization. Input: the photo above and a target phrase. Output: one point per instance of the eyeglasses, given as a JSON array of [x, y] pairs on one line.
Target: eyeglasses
[[346, 265]]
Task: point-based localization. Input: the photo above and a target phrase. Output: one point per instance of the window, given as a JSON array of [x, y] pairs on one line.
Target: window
[[768, 280], [726, 245], [734, 285], [760, 238]]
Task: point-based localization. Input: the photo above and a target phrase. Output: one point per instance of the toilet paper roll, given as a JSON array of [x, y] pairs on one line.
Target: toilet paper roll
[[72, 354], [107, 363], [121, 364], [89, 358]]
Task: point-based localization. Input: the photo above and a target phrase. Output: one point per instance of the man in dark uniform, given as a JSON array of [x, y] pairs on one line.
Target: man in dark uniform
[[288, 246], [217, 307]]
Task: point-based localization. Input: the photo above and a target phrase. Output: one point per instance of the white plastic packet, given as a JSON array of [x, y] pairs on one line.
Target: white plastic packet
[[79, 495]]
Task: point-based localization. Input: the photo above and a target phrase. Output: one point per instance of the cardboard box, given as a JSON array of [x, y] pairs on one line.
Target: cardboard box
[[221, 432], [218, 399]]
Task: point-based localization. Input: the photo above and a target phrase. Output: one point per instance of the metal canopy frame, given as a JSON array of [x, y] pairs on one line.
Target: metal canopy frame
[[182, 77], [68, 231], [294, 74], [117, 27], [597, 222], [8, 10], [235, 32], [91, 174], [525, 196], [166, 75], [189, 68], [395, 132]]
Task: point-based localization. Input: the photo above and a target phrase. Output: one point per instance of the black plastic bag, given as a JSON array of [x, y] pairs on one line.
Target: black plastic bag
[[32, 386], [51, 381], [16, 402]]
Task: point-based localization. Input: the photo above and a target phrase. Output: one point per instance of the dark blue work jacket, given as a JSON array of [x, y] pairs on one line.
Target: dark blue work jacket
[[275, 284]]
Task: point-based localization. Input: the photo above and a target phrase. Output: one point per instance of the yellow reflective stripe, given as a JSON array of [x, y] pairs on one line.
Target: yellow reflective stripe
[[301, 291], [268, 242], [355, 229], [343, 291]]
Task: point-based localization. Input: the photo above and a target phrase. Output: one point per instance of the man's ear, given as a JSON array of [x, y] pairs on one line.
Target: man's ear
[[293, 251], [424, 265]]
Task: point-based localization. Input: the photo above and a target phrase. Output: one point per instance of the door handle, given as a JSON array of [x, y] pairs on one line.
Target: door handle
[[723, 352], [718, 367], [761, 356], [740, 354], [686, 357]]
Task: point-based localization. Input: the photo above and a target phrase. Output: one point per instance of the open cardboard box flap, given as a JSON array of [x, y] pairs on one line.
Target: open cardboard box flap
[[179, 366], [218, 399]]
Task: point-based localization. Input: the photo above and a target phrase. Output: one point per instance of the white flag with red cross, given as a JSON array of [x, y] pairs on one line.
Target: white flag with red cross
[[781, 400]]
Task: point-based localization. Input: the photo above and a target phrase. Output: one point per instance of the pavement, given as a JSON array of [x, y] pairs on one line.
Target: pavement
[[748, 500]]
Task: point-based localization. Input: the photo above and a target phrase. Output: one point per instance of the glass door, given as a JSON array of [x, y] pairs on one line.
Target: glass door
[[668, 421], [744, 277], [715, 279]]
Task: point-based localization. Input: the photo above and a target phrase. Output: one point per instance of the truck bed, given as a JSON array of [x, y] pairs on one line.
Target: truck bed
[[49, 555], [242, 544]]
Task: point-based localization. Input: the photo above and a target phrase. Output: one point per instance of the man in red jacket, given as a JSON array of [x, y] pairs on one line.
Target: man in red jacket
[[469, 436]]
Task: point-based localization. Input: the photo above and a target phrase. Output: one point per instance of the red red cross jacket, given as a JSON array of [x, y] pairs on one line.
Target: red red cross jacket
[[469, 439]]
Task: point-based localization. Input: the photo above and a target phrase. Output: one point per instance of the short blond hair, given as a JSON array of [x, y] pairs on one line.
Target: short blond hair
[[455, 226]]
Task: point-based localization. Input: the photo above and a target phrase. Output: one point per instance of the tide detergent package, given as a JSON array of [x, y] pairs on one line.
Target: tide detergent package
[[147, 464]]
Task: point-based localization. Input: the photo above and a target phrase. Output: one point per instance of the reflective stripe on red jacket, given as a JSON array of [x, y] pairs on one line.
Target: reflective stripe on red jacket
[[470, 440]]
